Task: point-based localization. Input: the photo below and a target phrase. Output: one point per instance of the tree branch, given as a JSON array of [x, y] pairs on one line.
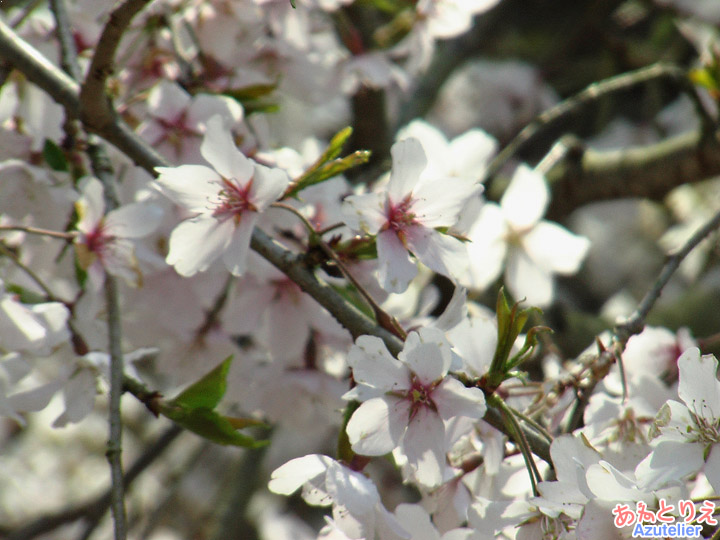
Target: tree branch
[[96, 110], [579, 176], [636, 322], [575, 105]]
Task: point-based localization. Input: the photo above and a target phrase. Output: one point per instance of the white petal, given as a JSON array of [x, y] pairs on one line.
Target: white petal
[[415, 519], [351, 489], [373, 365], [79, 398], [554, 248], [609, 484], [19, 328], [167, 100], [452, 399], [36, 399], [438, 203], [396, 269], [526, 198], [699, 387], [91, 204], [236, 253], [471, 152], [408, 162], [220, 151], [268, 185], [527, 281], [475, 340], [455, 312], [441, 253], [376, 427], [205, 106], [133, 220], [196, 243], [670, 463], [424, 446], [288, 478], [487, 247], [427, 354], [191, 186], [712, 468], [365, 212]]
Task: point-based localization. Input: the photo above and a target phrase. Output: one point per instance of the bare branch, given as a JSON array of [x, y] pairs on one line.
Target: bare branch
[[636, 322], [579, 176], [551, 118], [96, 110]]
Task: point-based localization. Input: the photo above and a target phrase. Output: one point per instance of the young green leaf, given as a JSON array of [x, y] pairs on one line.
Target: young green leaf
[[54, 156], [210, 425], [328, 165], [208, 391]]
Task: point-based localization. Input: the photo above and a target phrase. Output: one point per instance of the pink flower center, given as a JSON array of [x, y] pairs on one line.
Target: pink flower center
[[176, 131], [420, 395], [399, 216], [234, 199], [96, 241]]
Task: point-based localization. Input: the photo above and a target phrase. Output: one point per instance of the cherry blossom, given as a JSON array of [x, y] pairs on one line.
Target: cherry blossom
[[514, 234], [177, 120], [405, 215], [687, 435], [406, 401], [357, 509], [105, 242], [225, 200]]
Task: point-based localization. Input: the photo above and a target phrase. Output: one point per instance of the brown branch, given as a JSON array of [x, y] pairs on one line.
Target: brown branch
[[96, 110], [636, 322], [575, 105], [579, 176]]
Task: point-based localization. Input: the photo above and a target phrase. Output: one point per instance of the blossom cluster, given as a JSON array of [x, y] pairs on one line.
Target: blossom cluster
[[262, 238]]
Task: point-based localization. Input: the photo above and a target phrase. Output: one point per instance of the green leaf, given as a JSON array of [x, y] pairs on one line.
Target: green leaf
[[209, 425], [25, 296], [704, 77], [246, 93], [55, 157], [328, 164], [344, 449], [531, 341], [254, 98], [511, 321], [208, 391]]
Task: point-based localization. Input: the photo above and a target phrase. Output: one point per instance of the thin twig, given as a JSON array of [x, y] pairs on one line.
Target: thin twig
[[552, 117], [38, 231], [636, 322], [383, 318], [103, 170], [30, 272]]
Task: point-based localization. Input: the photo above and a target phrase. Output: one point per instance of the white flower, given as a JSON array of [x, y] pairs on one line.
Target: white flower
[[357, 509], [687, 435], [105, 242], [177, 120], [226, 201], [532, 249], [406, 215], [406, 400]]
